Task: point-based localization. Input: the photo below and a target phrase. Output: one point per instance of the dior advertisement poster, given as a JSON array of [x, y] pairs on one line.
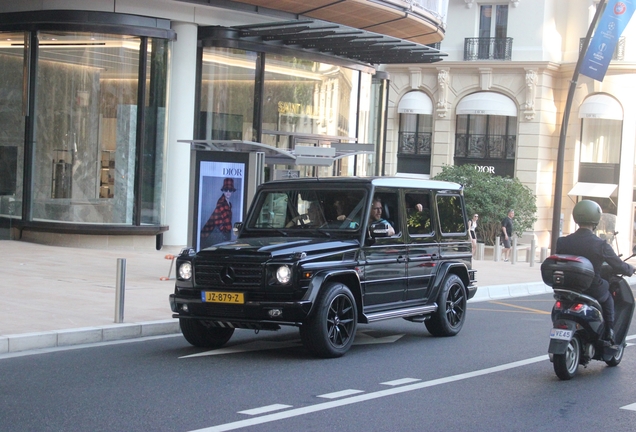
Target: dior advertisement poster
[[221, 189]]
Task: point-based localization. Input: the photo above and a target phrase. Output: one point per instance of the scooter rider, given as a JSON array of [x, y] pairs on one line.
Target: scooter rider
[[584, 242]]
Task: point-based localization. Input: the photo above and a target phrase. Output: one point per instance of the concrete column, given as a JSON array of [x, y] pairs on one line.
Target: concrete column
[[180, 126]]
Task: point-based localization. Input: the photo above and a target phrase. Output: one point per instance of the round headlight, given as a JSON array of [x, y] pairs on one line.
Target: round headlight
[[185, 271], [283, 274]]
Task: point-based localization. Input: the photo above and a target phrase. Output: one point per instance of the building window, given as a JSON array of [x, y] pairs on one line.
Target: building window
[[486, 133], [493, 29], [415, 133]]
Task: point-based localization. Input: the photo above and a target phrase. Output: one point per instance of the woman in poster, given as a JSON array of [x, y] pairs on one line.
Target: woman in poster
[[218, 228]]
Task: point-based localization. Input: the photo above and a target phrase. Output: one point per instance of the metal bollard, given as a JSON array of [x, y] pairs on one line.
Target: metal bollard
[[120, 289], [513, 254], [497, 253], [531, 252], [544, 254], [481, 251]]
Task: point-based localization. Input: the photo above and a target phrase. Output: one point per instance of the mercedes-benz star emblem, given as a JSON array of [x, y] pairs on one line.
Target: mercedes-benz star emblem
[[228, 276]]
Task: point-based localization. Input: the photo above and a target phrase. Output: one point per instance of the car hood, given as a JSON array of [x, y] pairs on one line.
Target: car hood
[[279, 246]]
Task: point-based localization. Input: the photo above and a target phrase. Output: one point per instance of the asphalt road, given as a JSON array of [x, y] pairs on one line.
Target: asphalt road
[[494, 376]]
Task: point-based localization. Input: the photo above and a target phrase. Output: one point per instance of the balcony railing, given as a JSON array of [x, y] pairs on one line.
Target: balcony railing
[[619, 50], [487, 48], [480, 146]]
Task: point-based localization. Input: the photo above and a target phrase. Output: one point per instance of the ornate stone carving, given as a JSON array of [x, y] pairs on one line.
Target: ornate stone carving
[[442, 92], [531, 85]]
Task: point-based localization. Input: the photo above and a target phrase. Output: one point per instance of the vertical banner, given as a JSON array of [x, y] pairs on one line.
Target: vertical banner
[[599, 54], [220, 201]]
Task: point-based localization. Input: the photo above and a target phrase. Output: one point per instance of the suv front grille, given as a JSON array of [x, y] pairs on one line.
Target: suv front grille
[[236, 275]]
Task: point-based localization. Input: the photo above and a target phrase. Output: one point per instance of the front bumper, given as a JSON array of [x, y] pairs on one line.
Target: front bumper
[[248, 315]]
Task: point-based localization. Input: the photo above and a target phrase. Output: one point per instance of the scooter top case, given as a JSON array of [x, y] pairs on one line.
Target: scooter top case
[[623, 308]]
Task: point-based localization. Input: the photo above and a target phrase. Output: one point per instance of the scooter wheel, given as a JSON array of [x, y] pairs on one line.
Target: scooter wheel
[[566, 365], [616, 358]]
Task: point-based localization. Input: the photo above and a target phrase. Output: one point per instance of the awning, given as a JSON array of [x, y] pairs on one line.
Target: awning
[[415, 102], [300, 155], [601, 106], [326, 38], [487, 103], [597, 190]]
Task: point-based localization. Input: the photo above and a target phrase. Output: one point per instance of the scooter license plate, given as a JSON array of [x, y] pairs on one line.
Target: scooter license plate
[[561, 334]]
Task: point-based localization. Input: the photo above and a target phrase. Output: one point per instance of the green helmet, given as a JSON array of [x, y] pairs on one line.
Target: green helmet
[[587, 212]]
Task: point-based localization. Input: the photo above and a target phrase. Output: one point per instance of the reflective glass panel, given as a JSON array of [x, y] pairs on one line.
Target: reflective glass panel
[[227, 94], [85, 132], [12, 106]]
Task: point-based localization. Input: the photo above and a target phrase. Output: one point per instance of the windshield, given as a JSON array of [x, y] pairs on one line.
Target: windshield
[[298, 209]]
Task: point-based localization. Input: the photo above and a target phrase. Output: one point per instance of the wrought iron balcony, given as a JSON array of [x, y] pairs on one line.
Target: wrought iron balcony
[[481, 48], [619, 51]]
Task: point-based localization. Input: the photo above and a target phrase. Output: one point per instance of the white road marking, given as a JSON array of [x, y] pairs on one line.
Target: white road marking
[[369, 396], [251, 346], [265, 409], [401, 381], [631, 407], [361, 339], [339, 394]]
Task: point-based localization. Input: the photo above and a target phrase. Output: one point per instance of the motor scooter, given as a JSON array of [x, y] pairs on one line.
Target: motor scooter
[[578, 328]]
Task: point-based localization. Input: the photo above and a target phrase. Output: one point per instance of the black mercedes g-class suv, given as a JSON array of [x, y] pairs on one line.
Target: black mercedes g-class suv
[[325, 254]]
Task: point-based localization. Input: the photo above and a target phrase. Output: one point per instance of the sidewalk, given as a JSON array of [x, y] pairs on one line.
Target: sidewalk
[[59, 296]]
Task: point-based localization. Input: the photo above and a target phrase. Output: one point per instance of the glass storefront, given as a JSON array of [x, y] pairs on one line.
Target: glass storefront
[[12, 107], [89, 155], [302, 103]]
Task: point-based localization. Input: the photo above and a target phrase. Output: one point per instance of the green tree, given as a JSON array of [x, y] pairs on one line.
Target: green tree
[[491, 197]]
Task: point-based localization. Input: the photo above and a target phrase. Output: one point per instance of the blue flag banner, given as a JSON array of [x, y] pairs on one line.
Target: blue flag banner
[[610, 27]]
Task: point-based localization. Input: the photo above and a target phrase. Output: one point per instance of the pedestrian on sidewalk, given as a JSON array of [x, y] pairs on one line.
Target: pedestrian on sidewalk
[[506, 234], [472, 225]]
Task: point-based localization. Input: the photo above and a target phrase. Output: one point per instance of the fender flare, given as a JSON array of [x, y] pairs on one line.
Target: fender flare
[[322, 277], [458, 268]]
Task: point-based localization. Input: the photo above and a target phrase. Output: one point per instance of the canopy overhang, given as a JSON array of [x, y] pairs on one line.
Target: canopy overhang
[[415, 102], [596, 190], [330, 39]]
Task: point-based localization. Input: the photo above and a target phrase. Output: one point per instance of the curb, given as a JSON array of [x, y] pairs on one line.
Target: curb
[[496, 292], [86, 335]]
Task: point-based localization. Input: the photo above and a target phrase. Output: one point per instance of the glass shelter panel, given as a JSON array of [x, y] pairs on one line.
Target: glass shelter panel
[[12, 100], [86, 123]]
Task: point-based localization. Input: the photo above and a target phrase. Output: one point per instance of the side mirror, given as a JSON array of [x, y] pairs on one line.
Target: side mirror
[[379, 229], [237, 227]]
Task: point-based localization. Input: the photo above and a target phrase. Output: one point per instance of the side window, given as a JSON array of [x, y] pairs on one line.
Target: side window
[[418, 213], [390, 210], [451, 215]]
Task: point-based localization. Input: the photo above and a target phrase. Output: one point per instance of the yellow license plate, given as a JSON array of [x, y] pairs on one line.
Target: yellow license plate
[[222, 297]]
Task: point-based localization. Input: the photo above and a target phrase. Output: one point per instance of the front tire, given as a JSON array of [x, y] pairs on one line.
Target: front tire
[[203, 335], [449, 318], [566, 365], [331, 328], [616, 358]]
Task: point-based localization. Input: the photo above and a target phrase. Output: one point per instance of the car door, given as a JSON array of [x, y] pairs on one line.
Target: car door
[[384, 281], [423, 248]]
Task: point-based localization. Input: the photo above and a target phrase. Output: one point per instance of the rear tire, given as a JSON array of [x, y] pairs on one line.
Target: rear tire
[[449, 318], [202, 334], [566, 365], [330, 329]]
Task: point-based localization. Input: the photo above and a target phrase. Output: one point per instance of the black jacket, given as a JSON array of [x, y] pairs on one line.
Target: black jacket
[[586, 244]]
